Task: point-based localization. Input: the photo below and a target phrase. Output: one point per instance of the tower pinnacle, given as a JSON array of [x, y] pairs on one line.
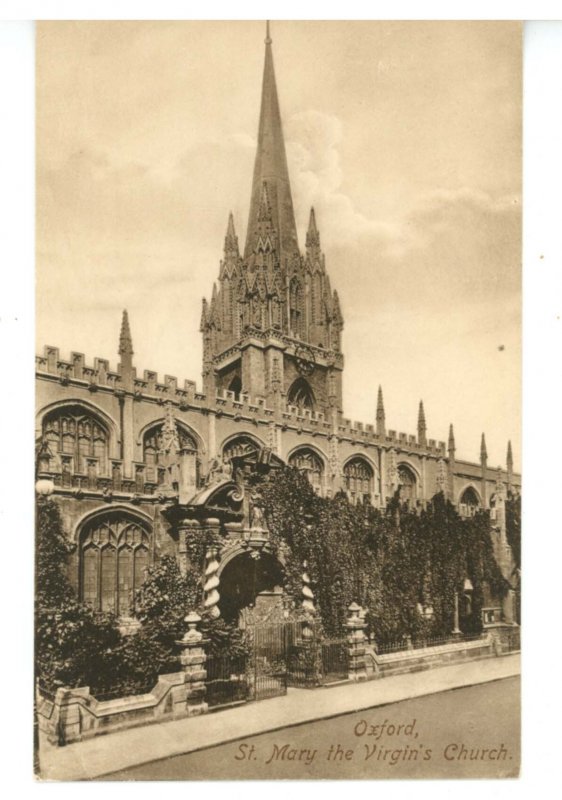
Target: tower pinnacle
[[380, 414], [422, 428], [451, 440], [312, 235], [231, 240], [509, 456], [268, 39], [483, 451], [125, 339]]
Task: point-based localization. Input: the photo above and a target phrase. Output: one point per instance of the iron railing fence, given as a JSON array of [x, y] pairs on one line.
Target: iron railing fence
[[425, 642], [227, 680]]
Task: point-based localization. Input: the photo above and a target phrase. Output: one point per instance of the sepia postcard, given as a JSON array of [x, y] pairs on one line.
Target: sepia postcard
[[278, 395]]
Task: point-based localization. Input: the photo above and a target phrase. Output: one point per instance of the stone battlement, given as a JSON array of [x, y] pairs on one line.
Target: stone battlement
[[100, 375]]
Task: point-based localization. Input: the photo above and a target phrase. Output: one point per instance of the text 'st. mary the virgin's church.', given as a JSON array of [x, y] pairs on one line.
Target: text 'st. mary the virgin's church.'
[[134, 462]]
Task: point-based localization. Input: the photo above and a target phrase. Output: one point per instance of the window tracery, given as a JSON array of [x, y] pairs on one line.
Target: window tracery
[[75, 433], [359, 479], [153, 449], [408, 483], [310, 464], [300, 394], [114, 558]]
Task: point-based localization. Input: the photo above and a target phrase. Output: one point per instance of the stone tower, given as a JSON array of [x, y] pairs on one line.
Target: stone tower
[[273, 325]]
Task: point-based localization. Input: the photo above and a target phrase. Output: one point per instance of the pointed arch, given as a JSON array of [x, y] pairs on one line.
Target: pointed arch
[[114, 552], [240, 444], [469, 501], [408, 480], [151, 440], [78, 435], [359, 479], [310, 463], [300, 394]]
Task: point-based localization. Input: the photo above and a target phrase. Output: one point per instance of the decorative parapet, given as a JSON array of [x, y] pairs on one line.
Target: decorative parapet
[[100, 377]]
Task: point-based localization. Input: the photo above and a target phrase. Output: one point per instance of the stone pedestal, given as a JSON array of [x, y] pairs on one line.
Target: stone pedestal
[[356, 641], [192, 659]]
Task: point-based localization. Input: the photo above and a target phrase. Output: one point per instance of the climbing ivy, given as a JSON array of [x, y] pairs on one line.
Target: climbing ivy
[[513, 526], [397, 563]]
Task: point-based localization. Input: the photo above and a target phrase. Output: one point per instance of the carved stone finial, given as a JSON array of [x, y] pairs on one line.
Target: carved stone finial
[[192, 634]]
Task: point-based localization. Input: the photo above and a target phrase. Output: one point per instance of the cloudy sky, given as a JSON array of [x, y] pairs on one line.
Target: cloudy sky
[[404, 136]]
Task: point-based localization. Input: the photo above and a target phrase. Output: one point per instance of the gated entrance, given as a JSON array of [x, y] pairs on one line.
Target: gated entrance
[[281, 654], [260, 674], [315, 661]]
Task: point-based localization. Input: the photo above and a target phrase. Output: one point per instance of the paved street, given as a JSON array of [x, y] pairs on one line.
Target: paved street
[[128, 749], [463, 733]]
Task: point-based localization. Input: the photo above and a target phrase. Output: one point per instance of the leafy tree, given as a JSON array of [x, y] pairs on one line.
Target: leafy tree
[[72, 642]]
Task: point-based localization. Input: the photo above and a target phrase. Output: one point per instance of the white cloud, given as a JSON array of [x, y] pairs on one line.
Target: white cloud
[[313, 140]]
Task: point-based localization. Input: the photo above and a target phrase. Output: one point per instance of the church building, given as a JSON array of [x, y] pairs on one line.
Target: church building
[[122, 451]]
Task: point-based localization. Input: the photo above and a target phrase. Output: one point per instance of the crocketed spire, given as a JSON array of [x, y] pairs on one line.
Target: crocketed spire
[[270, 167]]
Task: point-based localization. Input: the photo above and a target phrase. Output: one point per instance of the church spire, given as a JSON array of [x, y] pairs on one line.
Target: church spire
[[270, 167]]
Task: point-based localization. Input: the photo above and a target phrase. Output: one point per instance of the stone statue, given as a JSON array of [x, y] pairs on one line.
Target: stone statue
[[257, 517], [219, 470]]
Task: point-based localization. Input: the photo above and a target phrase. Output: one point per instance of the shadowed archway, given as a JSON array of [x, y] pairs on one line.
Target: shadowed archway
[[251, 586]]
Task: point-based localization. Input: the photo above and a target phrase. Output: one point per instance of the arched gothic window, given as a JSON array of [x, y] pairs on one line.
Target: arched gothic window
[[75, 433], [408, 483], [240, 446], [358, 479], [300, 394], [114, 558], [152, 449], [310, 464], [469, 502]]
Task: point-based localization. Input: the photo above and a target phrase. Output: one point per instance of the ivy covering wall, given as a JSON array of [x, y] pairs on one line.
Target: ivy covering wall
[[403, 566], [395, 563]]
